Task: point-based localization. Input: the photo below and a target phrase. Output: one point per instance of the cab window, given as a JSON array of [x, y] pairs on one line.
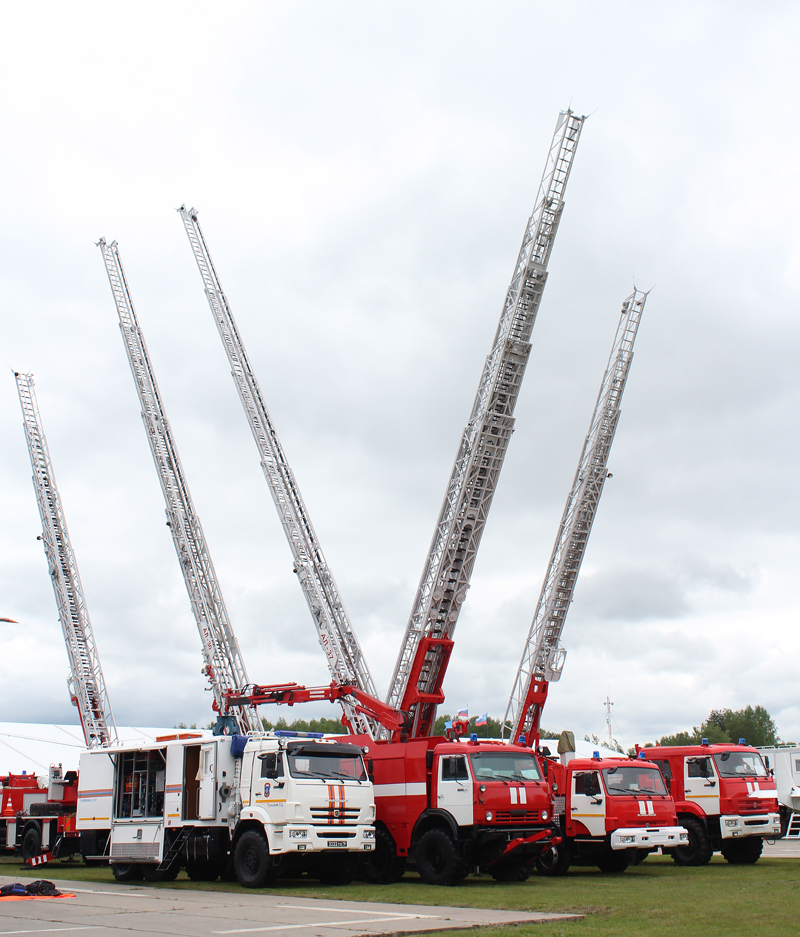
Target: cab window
[[454, 768], [587, 783], [699, 768]]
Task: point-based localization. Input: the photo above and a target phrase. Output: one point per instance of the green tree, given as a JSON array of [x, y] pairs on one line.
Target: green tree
[[754, 724]]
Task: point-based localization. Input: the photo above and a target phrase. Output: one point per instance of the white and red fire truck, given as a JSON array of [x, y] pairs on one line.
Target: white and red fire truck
[[725, 798], [37, 817], [611, 812], [252, 806]]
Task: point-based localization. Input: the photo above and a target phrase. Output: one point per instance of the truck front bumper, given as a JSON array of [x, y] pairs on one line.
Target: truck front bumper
[[668, 837], [759, 824], [302, 837]]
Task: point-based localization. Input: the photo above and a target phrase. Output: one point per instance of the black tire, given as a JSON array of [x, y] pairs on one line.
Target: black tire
[[743, 851], [438, 862], [699, 850], [637, 856], [614, 862], [31, 842], [336, 870], [126, 871], [554, 861], [203, 870], [383, 866], [512, 873], [252, 860], [152, 873]]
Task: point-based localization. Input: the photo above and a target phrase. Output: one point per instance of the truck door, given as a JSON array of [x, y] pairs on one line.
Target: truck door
[[207, 775], [587, 805], [455, 788], [700, 783]]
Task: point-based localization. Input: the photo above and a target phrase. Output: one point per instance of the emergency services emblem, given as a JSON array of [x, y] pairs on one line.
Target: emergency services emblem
[[266, 789]]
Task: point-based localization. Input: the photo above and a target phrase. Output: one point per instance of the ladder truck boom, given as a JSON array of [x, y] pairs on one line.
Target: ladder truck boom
[[543, 656], [419, 672], [224, 666], [87, 686], [345, 658]]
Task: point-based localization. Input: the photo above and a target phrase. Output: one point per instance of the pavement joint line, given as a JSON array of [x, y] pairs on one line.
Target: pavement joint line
[[50, 930], [259, 930], [392, 914]]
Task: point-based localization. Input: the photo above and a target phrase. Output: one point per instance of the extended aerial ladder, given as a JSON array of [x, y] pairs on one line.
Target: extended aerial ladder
[[224, 667], [416, 686], [543, 656], [86, 684], [336, 636]]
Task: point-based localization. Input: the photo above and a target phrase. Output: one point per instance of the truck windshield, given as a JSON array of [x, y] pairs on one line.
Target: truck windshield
[[740, 765], [505, 766], [342, 762], [632, 779]]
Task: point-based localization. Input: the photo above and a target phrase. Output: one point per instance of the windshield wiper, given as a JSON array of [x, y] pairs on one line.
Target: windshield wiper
[[341, 774]]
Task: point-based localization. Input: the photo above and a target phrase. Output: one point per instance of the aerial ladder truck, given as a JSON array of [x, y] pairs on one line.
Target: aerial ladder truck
[[609, 811], [443, 804], [224, 667], [40, 822], [337, 638]]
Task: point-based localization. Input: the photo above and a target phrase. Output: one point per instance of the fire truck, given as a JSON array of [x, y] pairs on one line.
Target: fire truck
[[37, 817], [611, 812], [253, 806], [725, 798]]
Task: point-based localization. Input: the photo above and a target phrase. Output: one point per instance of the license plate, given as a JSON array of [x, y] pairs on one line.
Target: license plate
[[337, 844]]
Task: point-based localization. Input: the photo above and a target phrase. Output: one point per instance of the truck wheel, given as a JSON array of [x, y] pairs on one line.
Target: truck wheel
[[699, 850], [743, 851], [151, 873], [638, 856], [126, 871], [614, 861], [438, 862], [383, 866], [252, 861], [554, 861], [336, 870], [31, 842]]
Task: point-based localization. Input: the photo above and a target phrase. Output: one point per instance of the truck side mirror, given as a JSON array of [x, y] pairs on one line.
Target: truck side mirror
[[269, 765], [371, 770], [429, 759]]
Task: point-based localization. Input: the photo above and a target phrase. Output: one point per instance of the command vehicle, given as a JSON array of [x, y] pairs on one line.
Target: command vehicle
[[724, 796], [611, 812], [37, 816], [251, 805]]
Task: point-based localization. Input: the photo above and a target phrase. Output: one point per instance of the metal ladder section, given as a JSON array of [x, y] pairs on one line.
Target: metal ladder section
[[793, 831], [224, 666], [336, 636], [419, 672], [87, 686], [175, 847], [543, 657]]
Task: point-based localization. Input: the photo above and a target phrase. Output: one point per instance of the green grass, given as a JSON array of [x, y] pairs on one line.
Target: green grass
[[656, 899]]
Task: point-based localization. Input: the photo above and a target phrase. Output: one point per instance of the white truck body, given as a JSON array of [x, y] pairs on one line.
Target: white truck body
[[784, 762], [185, 799]]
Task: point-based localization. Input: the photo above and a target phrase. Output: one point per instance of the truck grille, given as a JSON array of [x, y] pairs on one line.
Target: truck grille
[[516, 816], [335, 816]]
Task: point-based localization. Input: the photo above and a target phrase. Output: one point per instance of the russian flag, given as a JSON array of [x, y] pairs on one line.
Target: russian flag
[[463, 714], [482, 720]]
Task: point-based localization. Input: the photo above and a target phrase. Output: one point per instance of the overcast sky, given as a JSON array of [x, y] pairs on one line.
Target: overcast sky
[[364, 173]]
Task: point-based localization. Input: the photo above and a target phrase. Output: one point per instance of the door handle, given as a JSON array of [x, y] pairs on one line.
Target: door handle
[[441, 796]]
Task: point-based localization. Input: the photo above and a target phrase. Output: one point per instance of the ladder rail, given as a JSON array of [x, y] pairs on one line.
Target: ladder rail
[[543, 656], [86, 683], [224, 664], [419, 672], [337, 638]]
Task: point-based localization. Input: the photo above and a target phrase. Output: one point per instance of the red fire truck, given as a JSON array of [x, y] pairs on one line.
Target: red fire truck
[[611, 812], [37, 818], [725, 799]]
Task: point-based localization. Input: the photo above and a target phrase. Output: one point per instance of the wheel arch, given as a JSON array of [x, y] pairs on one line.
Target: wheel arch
[[434, 819]]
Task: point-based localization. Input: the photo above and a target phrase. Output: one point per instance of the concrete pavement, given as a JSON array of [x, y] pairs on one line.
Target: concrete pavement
[[107, 910]]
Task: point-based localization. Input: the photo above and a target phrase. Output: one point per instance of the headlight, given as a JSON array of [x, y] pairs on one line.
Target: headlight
[[369, 834], [489, 814], [298, 834], [731, 823], [544, 814], [627, 839]]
